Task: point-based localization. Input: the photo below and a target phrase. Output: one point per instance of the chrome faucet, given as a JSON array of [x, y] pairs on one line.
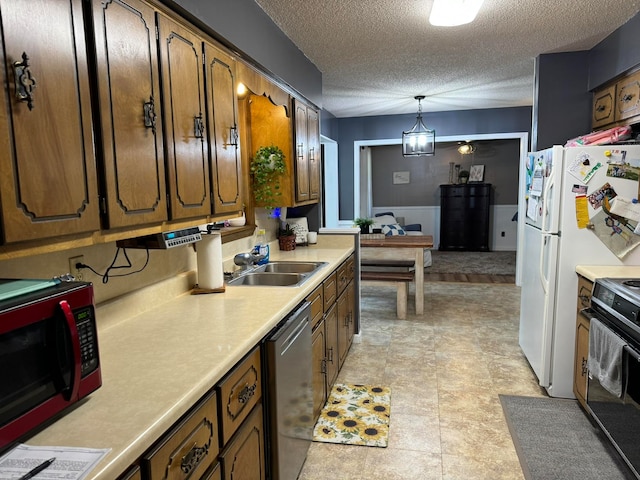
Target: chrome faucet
[[247, 260]]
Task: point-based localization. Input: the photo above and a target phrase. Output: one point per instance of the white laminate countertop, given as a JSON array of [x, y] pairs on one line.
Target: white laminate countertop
[[159, 363], [593, 272]]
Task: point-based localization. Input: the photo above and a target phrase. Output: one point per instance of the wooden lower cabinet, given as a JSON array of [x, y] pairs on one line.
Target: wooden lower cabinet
[[214, 473], [243, 458], [318, 355], [239, 392], [580, 371], [190, 448], [332, 338], [132, 474], [331, 344], [346, 325]]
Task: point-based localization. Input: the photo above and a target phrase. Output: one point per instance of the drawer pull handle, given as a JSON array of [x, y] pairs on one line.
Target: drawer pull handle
[[600, 108], [246, 393], [25, 83], [193, 458]]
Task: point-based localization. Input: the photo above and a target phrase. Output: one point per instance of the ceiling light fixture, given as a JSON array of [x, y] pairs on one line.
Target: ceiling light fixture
[[451, 13], [419, 141], [466, 149]]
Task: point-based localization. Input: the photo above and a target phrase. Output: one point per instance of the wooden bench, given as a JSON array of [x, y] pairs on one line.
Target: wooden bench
[[382, 262], [399, 279]]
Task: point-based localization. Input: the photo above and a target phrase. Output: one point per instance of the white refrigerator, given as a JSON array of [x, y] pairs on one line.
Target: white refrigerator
[[571, 196]]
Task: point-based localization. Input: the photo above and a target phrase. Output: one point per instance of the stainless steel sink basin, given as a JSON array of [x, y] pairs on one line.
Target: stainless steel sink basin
[[268, 279], [277, 274], [292, 267]]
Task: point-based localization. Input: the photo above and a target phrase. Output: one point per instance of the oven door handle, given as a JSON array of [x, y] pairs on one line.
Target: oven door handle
[[70, 392], [632, 353]]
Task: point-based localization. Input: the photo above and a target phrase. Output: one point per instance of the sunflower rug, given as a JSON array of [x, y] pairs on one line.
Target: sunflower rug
[[355, 415]]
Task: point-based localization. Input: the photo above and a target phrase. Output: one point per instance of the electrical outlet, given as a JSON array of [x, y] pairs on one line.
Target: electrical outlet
[[73, 270]]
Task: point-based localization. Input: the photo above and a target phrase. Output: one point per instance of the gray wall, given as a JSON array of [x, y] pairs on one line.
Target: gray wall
[[616, 54], [562, 102], [499, 157], [465, 122]]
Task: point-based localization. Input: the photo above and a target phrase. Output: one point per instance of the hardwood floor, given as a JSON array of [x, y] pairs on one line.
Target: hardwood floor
[[468, 278]]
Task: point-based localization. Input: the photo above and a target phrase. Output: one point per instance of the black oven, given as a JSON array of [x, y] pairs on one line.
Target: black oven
[[616, 306]]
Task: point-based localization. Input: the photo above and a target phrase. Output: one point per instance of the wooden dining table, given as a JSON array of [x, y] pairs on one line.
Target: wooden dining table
[[400, 247]]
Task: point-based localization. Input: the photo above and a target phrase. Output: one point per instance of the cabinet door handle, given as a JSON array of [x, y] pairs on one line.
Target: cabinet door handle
[[330, 352], [150, 114], [312, 154], [198, 126], [233, 136], [24, 81], [627, 98], [323, 366], [300, 151], [584, 366]]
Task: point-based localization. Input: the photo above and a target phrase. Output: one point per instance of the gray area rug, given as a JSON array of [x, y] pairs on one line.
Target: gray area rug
[[487, 263], [555, 440]]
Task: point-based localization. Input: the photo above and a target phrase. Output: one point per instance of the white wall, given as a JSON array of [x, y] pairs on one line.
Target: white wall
[[429, 218]]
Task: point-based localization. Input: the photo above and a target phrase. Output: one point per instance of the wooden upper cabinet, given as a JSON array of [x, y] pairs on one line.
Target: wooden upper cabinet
[[225, 165], [48, 185], [130, 112], [307, 151], [315, 153], [301, 152], [184, 114], [628, 97], [603, 107], [617, 103]]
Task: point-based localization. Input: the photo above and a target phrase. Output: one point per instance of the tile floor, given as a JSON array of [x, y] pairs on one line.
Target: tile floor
[[446, 369]]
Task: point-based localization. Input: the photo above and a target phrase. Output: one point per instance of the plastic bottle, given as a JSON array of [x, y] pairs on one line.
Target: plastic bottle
[[262, 247]]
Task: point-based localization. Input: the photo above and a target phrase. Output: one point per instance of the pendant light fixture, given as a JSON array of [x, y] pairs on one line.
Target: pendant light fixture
[[419, 141]]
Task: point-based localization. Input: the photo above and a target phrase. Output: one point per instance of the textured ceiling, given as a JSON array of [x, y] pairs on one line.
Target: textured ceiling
[[376, 55]]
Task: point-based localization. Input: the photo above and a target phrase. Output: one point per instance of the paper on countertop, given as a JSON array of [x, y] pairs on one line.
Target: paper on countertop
[[71, 463], [624, 207]]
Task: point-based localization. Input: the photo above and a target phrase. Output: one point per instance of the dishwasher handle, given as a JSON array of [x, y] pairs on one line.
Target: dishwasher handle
[[292, 327]]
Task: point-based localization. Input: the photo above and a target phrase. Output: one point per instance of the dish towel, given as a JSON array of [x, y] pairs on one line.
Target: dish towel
[[605, 357]]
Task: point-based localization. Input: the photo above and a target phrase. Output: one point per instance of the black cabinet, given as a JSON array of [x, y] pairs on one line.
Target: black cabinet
[[464, 216]]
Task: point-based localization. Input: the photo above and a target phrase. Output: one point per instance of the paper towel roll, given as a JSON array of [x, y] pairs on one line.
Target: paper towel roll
[[209, 253]]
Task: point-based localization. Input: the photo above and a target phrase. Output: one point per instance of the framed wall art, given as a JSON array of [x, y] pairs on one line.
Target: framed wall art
[[477, 173], [401, 177]]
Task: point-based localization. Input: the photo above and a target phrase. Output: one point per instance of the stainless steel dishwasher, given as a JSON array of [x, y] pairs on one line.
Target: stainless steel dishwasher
[[289, 398]]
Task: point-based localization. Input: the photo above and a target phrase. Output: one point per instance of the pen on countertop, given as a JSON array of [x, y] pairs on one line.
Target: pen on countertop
[[38, 469]]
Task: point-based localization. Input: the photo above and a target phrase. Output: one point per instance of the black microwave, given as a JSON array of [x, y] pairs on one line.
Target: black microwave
[[49, 356]]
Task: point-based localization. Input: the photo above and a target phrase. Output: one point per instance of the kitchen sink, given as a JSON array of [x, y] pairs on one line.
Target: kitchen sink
[[277, 274], [268, 279], [291, 267]]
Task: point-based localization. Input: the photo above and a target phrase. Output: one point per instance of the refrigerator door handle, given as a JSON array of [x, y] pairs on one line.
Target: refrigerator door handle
[[544, 280], [549, 184]]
